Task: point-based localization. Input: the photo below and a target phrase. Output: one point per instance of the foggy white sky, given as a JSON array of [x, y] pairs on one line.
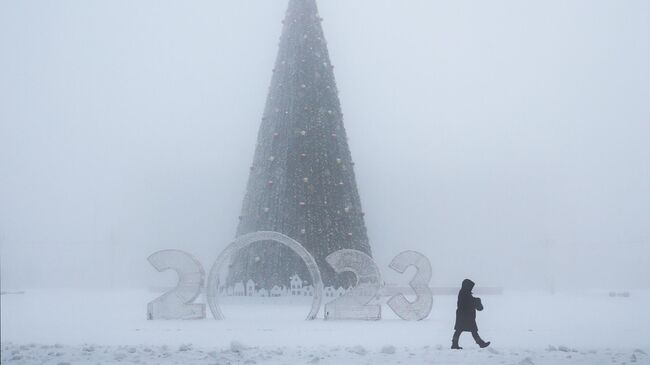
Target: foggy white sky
[[509, 141]]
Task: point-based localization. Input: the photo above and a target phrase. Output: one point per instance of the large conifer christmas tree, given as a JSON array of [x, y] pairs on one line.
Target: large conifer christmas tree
[[301, 181]]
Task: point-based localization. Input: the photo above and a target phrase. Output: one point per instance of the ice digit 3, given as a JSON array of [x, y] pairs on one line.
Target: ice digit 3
[[421, 307]]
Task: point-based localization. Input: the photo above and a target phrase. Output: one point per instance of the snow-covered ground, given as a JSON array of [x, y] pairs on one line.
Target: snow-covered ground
[[71, 326]]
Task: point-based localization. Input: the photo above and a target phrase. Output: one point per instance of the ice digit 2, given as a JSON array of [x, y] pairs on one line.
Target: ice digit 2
[[354, 304], [178, 303]]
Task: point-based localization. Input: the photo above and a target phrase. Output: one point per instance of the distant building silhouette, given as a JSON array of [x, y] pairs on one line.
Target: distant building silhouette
[[298, 288]]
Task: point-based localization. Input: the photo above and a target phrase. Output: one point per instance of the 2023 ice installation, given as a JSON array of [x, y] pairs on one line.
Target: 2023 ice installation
[[355, 304]]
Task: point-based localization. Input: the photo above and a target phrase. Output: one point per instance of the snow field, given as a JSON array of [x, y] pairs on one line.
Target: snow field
[[237, 353], [73, 326]]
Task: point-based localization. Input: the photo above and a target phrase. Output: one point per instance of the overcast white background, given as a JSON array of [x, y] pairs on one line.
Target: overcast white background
[[509, 141]]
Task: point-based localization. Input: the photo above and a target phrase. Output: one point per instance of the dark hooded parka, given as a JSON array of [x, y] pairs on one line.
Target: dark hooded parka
[[467, 306]]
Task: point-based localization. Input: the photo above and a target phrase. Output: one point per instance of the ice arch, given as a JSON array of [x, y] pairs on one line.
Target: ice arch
[[241, 242]]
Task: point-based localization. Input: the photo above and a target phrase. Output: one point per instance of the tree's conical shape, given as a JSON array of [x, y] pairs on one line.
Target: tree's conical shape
[[301, 181]]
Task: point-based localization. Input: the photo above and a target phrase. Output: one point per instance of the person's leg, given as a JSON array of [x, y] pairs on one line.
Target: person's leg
[[479, 340], [454, 340]]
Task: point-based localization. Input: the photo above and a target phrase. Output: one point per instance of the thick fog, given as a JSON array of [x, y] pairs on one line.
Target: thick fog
[[508, 141]]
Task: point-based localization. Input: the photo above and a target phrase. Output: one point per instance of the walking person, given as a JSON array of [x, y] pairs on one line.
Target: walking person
[[466, 315]]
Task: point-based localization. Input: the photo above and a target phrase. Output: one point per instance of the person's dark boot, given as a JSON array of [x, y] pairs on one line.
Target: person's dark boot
[[454, 341], [484, 344], [479, 340]]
